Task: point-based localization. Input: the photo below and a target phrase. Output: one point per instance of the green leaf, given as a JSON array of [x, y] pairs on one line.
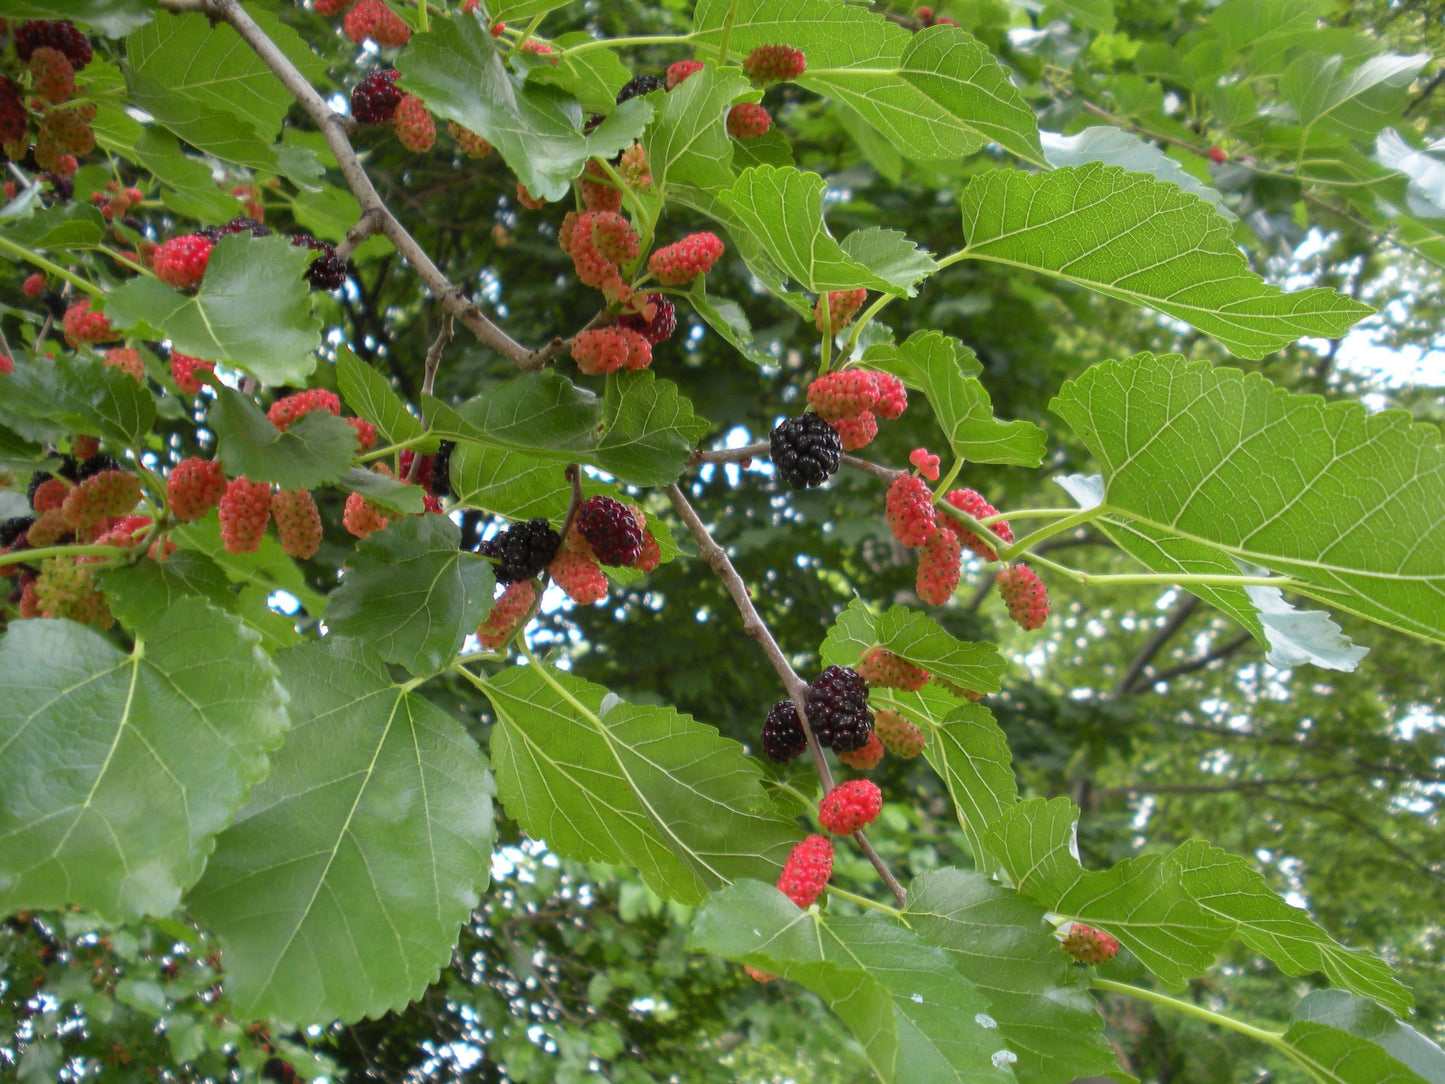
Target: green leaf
[[687, 141], [593, 77], [1141, 901], [935, 94], [458, 71], [1353, 104], [1001, 943], [369, 394], [17, 453], [728, 320], [1230, 887], [412, 594], [45, 399], [185, 720], [506, 483], [393, 494], [252, 310], [781, 209], [968, 750], [112, 18], [1344, 514], [1362, 1019], [266, 570], [919, 639], [543, 413], [916, 1017], [1097, 15], [1116, 147], [631, 784], [945, 370], [57, 229], [338, 891], [316, 449], [1131, 237], [890, 254], [649, 430], [188, 183], [151, 587]]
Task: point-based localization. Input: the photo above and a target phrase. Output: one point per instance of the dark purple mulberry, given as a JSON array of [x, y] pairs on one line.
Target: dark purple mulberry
[[376, 97], [522, 550], [58, 35], [783, 737], [806, 450], [639, 84], [837, 707], [611, 530]]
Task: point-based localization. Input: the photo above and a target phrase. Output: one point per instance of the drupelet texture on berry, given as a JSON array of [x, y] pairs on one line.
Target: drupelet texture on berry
[[245, 508], [806, 450], [773, 64], [850, 806], [51, 74], [1025, 595], [610, 529], [657, 328], [507, 612], [925, 463], [375, 98], [783, 737], [1088, 945], [327, 271], [471, 144], [13, 120], [843, 393], [807, 871], [607, 349], [362, 518], [748, 120], [909, 508], [127, 360], [99, 497], [837, 707], [184, 369], [882, 668], [414, 125], [194, 487], [971, 502], [83, 326], [298, 523], [678, 71], [181, 261], [522, 550], [65, 589], [682, 261], [899, 736], [287, 410], [639, 84], [855, 433], [865, 759], [939, 568], [579, 576], [65, 36]]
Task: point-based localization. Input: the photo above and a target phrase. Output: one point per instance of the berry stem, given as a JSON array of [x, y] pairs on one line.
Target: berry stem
[[624, 43], [762, 449], [863, 321], [1124, 579], [1199, 1012], [6, 245], [528, 32], [21, 557], [124, 261], [825, 350], [946, 483], [864, 901], [974, 525], [1028, 513], [727, 33], [392, 449]]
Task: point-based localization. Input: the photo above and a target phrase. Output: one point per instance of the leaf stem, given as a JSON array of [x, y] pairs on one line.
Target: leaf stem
[[948, 480], [625, 42], [864, 901], [1199, 1012], [1124, 579], [25, 557], [1027, 513], [1067, 523], [7, 245], [727, 33], [864, 320]]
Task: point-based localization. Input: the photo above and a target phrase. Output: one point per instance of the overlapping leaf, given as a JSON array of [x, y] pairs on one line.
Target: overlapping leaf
[[338, 891], [1340, 500], [458, 72], [781, 209], [367, 392], [1349, 102], [45, 399], [251, 311], [934, 94], [315, 449], [916, 638], [1230, 887], [916, 1016], [1001, 943], [412, 594], [1141, 901], [1325, 1023], [1116, 147], [648, 430], [1144, 241], [631, 784], [687, 142], [118, 769]]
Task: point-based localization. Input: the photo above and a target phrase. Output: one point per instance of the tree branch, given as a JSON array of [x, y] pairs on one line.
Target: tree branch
[[1151, 647], [333, 127], [754, 626], [1222, 652]]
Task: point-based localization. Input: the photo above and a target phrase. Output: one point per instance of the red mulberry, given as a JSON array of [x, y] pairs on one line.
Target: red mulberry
[[682, 261], [298, 523], [507, 612], [939, 568], [910, 510], [194, 487], [579, 576], [850, 806], [1025, 595], [882, 668], [807, 871], [971, 501], [1088, 945], [245, 508], [843, 305], [181, 261], [899, 736], [748, 120]]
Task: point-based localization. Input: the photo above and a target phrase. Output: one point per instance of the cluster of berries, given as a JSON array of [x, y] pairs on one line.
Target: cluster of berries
[[115, 201], [90, 500], [52, 52], [181, 262], [852, 401], [367, 20], [837, 708], [926, 17], [378, 100]]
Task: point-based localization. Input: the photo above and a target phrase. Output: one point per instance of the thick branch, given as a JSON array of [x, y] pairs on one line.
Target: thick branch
[[334, 128]]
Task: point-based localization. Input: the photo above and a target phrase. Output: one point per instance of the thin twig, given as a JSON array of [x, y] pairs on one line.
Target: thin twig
[[1221, 652], [573, 474], [428, 381], [754, 626], [1151, 647], [334, 129], [544, 354]]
